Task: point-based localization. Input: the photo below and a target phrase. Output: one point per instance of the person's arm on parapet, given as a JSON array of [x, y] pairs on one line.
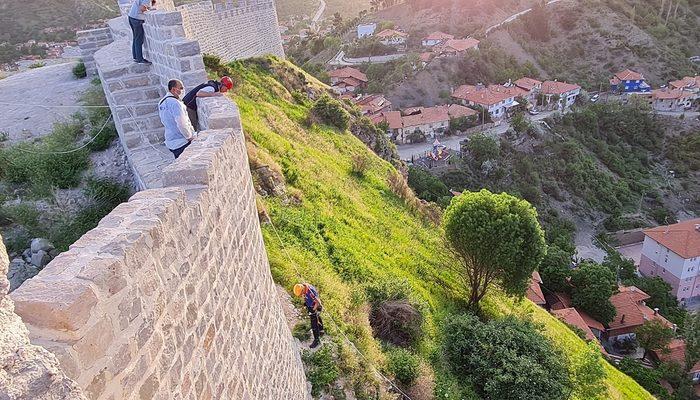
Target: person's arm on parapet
[[209, 92], [144, 5], [177, 110]]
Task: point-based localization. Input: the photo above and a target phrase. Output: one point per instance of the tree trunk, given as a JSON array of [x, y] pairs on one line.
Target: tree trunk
[[675, 11], [661, 10]]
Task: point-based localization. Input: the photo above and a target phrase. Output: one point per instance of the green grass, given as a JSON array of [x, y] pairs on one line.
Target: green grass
[[348, 230]]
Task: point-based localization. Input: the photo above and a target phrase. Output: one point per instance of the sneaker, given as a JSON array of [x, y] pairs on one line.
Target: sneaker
[[144, 61], [315, 344]]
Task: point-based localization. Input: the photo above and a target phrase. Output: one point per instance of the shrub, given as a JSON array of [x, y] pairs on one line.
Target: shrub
[[505, 359], [37, 65], [103, 134], [52, 162], [79, 70], [404, 365], [360, 165], [301, 331], [427, 187], [482, 148], [330, 111], [397, 322], [105, 195], [322, 370]]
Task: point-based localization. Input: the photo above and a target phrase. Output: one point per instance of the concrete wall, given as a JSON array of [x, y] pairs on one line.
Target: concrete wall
[[171, 296], [231, 31]]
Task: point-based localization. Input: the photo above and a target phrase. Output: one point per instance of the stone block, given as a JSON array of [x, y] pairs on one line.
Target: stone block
[[64, 305], [163, 18], [186, 49], [95, 343]]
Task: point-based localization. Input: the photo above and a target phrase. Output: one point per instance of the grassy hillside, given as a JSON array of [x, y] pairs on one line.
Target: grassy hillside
[[343, 227]]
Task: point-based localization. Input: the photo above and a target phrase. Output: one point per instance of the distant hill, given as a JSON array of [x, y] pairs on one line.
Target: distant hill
[[24, 20]]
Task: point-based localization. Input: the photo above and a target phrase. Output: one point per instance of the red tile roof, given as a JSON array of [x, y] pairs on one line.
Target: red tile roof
[[562, 300], [591, 322], [387, 33], [675, 353], [458, 45], [439, 36], [348, 72], [670, 94], [430, 115], [372, 103], [689, 82], [393, 118], [572, 317], [527, 83], [682, 238], [630, 311], [629, 75], [485, 96], [534, 291], [458, 111], [425, 57], [556, 87], [350, 81]]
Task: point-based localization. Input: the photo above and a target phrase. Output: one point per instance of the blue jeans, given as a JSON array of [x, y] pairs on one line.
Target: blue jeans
[[179, 151], [137, 44]]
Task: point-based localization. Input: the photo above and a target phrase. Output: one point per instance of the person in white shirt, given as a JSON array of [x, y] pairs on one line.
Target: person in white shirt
[[179, 132]]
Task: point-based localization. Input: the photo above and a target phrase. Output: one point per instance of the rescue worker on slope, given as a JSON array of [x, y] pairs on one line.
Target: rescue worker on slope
[[313, 306], [208, 89]]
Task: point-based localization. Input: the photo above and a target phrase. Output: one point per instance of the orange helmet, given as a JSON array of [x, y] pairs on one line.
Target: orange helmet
[[299, 289], [226, 83]]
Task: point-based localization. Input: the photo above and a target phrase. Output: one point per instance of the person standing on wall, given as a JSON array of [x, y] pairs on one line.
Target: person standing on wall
[[208, 89], [313, 306], [179, 133], [136, 21]]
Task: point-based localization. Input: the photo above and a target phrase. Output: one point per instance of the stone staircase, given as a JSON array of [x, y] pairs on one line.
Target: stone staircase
[[133, 92]]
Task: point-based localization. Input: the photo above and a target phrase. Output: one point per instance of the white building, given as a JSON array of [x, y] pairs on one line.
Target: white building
[[495, 99], [565, 92], [673, 253], [672, 99], [366, 30], [391, 37]]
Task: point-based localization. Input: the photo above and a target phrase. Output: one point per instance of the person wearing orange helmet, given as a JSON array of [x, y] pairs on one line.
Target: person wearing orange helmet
[[313, 306], [207, 89]]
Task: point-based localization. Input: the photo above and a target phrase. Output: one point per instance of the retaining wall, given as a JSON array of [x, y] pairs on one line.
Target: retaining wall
[[171, 296], [89, 42]]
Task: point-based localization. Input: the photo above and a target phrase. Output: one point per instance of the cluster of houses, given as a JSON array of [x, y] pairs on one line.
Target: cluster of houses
[[436, 44], [677, 96], [671, 252], [419, 123], [498, 100]]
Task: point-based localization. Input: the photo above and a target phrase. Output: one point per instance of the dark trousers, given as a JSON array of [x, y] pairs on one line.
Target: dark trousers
[[194, 118], [316, 324], [179, 151], [137, 44]]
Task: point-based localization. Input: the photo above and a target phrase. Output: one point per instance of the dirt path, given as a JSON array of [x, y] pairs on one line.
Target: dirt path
[[22, 96]]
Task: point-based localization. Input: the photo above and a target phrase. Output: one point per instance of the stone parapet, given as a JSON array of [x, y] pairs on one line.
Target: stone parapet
[[89, 42], [27, 371]]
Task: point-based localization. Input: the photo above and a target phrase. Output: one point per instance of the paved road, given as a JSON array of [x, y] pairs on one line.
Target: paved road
[[513, 18], [340, 59], [318, 15], [406, 151], [52, 85]]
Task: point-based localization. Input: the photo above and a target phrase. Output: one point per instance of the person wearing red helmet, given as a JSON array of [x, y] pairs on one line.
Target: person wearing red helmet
[[207, 89]]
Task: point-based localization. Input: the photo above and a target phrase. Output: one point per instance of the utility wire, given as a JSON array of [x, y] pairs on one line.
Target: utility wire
[[92, 139]]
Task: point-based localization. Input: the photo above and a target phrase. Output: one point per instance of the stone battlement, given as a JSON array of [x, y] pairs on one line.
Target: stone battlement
[[171, 295]]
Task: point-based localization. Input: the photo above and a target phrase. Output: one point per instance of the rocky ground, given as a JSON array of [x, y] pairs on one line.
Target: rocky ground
[[28, 100]]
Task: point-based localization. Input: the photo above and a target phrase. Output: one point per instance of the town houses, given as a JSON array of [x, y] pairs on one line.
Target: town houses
[[494, 99], [667, 99], [391, 37], [629, 81], [347, 79], [420, 123], [559, 95]]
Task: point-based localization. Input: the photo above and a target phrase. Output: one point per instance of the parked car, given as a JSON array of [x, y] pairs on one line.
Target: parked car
[[533, 112], [595, 98]]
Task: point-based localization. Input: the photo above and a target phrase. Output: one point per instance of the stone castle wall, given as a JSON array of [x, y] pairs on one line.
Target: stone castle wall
[[171, 296], [234, 31]]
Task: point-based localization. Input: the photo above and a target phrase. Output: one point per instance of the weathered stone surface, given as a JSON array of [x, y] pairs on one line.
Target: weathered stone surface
[[41, 244], [61, 305], [19, 272]]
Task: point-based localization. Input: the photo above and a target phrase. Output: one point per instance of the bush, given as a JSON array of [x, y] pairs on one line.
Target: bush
[[322, 370], [37, 65], [505, 359], [397, 322], [360, 165], [482, 148], [301, 331], [427, 187], [50, 163], [79, 70], [404, 365], [330, 111], [97, 117], [105, 195]]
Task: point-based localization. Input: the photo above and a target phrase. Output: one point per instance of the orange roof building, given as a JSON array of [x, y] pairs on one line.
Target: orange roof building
[[528, 84], [629, 81], [534, 291], [436, 38], [688, 83], [631, 312], [348, 72], [346, 79], [454, 46], [572, 317], [675, 353], [672, 253]]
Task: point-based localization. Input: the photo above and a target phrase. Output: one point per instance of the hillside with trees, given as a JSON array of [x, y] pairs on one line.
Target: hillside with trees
[[345, 220]]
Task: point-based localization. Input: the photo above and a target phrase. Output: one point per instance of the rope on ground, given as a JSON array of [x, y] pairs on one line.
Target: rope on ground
[[47, 106], [50, 153], [347, 339]]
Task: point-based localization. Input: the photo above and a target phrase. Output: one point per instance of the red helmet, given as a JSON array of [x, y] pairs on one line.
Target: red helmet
[[227, 83]]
